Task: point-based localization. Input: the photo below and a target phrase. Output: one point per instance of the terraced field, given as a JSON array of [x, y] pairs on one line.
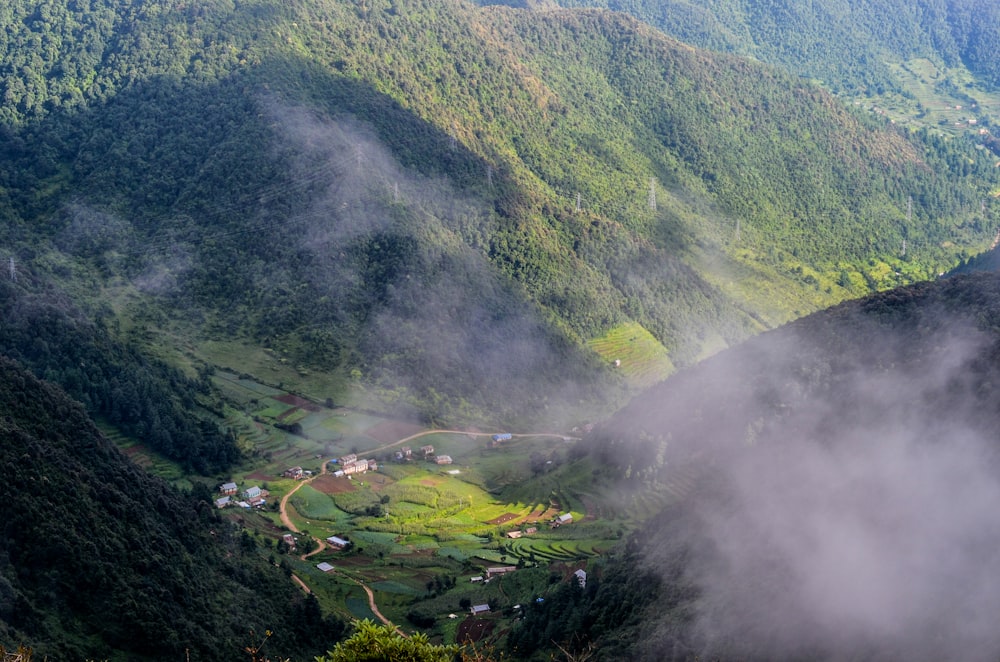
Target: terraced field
[[641, 358]]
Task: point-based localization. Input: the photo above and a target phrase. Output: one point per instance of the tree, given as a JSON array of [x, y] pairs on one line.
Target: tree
[[372, 642]]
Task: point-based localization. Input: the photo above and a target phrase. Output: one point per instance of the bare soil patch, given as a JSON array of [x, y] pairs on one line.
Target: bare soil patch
[[257, 475], [475, 629], [506, 517], [328, 484]]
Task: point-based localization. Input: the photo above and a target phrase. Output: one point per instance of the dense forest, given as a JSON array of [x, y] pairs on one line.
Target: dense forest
[[850, 46], [98, 560], [445, 216], [845, 463]]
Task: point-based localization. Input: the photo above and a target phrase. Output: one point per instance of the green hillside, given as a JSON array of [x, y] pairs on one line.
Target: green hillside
[[925, 63], [436, 205], [100, 561]]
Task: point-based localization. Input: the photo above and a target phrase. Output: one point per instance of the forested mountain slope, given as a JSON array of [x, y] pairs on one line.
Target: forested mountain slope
[[847, 469], [443, 202], [100, 561], [850, 45]]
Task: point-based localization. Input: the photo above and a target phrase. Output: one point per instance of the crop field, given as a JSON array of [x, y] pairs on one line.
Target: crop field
[[419, 531], [641, 358]]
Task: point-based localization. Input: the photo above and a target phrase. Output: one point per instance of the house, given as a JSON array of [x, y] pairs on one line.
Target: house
[[427, 450], [476, 579], [504, 436], [251, 493], [289, 539], [294, 472], [338, 543], [339, 473], [479, 609], [581, 577], [372, 465], [222, 502], [348, 458], [514, 534], [324, 566], [500, 570], [355, 467], [443, 459], [228, 488], [565, 518], [530, 530]]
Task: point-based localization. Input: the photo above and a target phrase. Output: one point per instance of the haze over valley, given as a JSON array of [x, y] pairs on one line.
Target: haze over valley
[[618, 331]]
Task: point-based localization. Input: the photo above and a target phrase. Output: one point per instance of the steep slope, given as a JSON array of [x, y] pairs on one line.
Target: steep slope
[[848, 465], [851, 45], [100, 561], [442, 202]]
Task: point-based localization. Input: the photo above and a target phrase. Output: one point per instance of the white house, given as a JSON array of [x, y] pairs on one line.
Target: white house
[[581, 577], [479, 609], [251, 493], [338, 543]]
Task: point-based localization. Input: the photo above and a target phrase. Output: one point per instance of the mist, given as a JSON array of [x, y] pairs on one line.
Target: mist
[[847, 506], [410, 252]]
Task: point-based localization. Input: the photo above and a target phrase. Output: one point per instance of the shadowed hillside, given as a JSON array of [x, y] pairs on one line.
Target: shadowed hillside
[[847, 467], [100, 561]]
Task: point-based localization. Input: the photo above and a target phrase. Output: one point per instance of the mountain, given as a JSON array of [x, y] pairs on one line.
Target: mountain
[[846, 468], [99, 560], [438, 205], [854, 46]]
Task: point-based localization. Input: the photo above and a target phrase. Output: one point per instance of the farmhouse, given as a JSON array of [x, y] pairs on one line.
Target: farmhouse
[[222, 502], [289, 540], [427, 450], [348, 458], [228, 488], [294, 472], [443, 459], [565, 518], [514, 534], [505, 436], [324, 566], [500, 570], [252, 493], [581, 577], [372, 465], [338, 543], [355, 467], [479, 609]]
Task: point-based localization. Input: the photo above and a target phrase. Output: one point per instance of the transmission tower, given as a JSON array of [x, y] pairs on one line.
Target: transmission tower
[[652, 194]]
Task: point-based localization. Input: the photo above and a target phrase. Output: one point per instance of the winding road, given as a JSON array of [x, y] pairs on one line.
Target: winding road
[[321, 544]]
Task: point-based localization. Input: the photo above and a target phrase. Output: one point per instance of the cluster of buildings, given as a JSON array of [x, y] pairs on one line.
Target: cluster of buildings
[[251, 497], [405, 454], [350, 465]]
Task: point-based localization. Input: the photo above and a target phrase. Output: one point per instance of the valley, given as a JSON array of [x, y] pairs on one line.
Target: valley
[[441, 523], [582, 329]]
